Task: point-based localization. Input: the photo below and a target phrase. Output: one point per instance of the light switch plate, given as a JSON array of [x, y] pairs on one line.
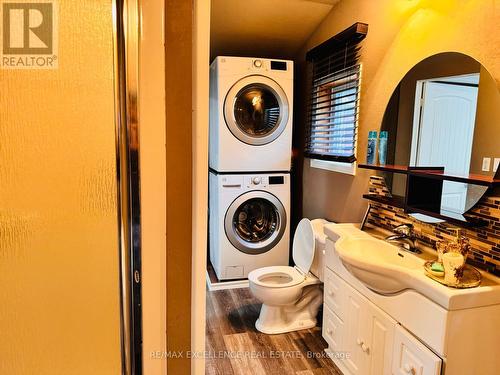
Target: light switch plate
[[486, 164], [495, 164]]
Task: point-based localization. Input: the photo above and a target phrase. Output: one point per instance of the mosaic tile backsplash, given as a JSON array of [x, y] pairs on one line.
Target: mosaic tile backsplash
[[484, 241], [378, 186]]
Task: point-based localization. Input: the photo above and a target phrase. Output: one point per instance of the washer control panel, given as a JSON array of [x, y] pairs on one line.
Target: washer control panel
[[264, 180], [256, 181]]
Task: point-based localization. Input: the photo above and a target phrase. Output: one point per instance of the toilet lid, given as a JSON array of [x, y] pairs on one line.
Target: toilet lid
[[303, 245]]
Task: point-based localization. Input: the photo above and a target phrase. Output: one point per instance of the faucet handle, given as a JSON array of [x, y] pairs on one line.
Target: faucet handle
[[404, 229]]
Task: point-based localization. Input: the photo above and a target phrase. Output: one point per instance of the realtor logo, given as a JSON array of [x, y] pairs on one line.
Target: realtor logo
[[29, 34]]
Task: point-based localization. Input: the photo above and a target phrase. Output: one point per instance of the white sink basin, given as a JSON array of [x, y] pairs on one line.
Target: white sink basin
[[379, 265], [386, 269]]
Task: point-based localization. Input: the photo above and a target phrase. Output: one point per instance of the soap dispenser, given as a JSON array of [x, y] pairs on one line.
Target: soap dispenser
[[455, 257], [460, 244]]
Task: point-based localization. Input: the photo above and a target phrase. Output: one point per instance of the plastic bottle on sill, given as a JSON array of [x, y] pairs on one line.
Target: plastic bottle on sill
[[371, 155], [382, 147]]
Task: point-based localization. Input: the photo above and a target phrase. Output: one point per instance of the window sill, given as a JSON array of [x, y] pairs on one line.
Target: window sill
[[333, 166]]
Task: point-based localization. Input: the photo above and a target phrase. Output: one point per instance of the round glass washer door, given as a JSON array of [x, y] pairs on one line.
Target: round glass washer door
[[255, 222], [256, 110]]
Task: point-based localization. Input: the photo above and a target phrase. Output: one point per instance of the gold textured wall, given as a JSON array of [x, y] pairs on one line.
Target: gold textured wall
[[401, 33], [59, 291]]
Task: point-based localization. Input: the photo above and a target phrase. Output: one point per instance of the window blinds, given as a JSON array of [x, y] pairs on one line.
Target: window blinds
[[333, 105]]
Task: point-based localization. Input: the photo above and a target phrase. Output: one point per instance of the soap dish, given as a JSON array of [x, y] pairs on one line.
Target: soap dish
[[434, 272], [470, 279]]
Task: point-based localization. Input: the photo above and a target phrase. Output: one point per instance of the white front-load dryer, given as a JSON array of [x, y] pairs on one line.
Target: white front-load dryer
[[251, 101], [248, 222]]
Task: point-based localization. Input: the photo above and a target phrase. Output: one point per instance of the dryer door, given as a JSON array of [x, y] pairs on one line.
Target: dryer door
[[256, 110], [255, 222]]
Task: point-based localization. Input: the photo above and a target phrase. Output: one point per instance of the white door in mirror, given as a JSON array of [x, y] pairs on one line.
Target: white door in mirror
[[443, 135]]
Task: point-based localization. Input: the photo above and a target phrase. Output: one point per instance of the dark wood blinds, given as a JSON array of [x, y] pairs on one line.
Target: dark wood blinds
[[333, 104]]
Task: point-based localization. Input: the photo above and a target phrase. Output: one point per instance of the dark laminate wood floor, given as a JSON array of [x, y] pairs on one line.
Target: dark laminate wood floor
[[234, 346]]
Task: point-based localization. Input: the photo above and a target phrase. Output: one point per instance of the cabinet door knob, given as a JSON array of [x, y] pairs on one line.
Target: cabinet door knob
[[359, 342], [330, 293], [409, 369], [365, 348], [329, 331]]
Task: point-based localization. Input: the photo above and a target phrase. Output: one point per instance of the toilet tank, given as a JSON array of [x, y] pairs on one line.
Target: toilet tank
[[317, 267]]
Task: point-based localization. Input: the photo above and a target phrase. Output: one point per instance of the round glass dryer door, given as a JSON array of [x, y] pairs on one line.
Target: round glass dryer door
[[255, 222], [256, 110]]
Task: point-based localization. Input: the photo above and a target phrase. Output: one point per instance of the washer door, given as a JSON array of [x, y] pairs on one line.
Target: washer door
[[255, 222], [256, 110]]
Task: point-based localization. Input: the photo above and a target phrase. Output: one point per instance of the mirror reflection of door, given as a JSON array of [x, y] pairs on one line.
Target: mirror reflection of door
[[452, 124], [443, 131]]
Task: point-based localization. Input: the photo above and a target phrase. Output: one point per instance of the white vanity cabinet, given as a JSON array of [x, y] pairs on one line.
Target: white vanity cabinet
[[406, 333], [363, 339], [370, 341], [355, 327]]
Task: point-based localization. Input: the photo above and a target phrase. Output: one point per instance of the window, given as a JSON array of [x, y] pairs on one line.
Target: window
[[335, 77]]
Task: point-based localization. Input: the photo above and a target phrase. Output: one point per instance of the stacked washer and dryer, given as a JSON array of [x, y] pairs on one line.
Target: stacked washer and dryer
[[250, 160]]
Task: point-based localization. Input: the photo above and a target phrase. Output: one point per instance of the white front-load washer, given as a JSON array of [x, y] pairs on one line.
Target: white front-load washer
[[248, 222], [251, 101]]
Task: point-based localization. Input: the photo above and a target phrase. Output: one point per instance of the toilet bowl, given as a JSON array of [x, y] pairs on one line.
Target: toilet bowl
[[291, 296]]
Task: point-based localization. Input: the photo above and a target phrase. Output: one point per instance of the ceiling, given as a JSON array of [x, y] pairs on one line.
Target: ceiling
[[264, 28]]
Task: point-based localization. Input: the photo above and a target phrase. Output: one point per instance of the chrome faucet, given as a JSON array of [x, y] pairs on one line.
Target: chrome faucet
[[404, 238]]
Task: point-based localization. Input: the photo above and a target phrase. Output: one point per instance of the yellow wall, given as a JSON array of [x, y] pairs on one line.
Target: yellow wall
[[401, 33], [59, 309]]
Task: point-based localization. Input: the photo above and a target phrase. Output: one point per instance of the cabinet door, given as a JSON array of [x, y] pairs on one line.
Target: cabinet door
[[334, 290], [368, 335], [411, 357], [357, 335], [382, 339], [333, 330]]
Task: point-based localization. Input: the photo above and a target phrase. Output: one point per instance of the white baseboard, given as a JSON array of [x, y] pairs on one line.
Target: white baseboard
[[222, 285]]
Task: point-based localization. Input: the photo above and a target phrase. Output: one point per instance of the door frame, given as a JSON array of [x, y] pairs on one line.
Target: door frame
[[126, 78], [152, 140], [200, 91]]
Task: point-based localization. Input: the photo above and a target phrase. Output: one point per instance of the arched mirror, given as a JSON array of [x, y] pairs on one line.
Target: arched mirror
[[445, 112]]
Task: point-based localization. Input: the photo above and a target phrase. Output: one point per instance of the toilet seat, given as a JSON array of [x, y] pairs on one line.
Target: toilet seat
[[276, 277], [303, 246], [303, 254]]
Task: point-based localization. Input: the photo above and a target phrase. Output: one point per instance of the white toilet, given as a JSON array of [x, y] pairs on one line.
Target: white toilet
[[291, 296]]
